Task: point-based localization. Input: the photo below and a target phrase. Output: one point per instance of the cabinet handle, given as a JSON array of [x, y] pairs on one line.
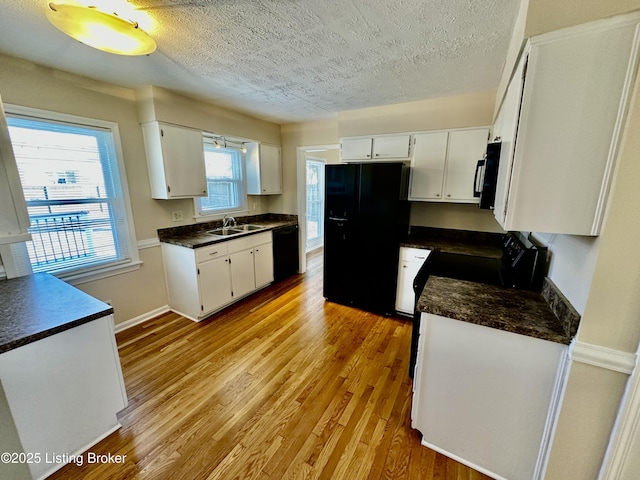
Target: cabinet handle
[[213, 253], [437, 194], [449, 195]]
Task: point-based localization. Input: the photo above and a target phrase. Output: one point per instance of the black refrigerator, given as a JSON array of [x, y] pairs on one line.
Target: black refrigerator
[[366, 217]]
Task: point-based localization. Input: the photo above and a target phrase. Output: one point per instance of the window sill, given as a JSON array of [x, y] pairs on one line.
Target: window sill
[[207, 217], [78, 278]]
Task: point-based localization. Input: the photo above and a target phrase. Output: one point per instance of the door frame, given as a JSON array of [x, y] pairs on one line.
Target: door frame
[[306, 165], [301, 163]]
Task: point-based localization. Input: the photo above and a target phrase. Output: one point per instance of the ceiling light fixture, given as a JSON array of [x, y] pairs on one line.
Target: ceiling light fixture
[[104, 31]]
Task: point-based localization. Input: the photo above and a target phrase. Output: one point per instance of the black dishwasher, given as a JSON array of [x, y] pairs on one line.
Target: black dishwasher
[[285, 252]]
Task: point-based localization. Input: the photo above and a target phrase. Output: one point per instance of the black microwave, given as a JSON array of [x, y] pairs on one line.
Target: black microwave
[[486, 177]]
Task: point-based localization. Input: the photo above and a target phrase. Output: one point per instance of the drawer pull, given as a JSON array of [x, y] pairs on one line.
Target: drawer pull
[[213, 253]]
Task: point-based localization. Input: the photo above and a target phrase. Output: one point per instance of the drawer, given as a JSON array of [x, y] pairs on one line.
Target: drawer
[[249, 241], [413, 254], [212, 251]]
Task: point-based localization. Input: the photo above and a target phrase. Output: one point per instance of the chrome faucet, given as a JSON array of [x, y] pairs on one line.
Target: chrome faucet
[[228, 221]]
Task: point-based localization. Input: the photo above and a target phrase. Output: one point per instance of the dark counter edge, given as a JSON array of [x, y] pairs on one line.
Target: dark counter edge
[[568, 318], [93, 310], [465, 242], [21, 342], [178, 235]]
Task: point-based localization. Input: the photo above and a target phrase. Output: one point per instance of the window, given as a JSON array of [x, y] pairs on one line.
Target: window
[[225, 180], [69, 171]]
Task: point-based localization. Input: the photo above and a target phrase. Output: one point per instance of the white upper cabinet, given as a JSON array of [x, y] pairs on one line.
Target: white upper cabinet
[[379, 147], [427, 165], [264, 169], [443, 164], [14, 217], [559, 152], [175, 158]]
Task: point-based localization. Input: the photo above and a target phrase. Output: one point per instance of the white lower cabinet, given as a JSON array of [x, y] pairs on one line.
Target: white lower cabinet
[[204, 280], [214, 284], [263, 263], [242, 273], [487, 397], [411, 259]]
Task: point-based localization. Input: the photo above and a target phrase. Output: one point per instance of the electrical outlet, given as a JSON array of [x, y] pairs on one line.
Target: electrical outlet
[[177, 215], [255, 206]]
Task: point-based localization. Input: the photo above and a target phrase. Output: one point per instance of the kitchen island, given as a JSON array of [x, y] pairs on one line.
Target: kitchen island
[[61, 381], [490, 372]]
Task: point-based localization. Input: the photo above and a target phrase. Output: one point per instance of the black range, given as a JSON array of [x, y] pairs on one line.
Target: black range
[[522, 264]]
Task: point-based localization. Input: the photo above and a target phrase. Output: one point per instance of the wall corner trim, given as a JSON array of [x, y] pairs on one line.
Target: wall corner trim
[[603, 357]]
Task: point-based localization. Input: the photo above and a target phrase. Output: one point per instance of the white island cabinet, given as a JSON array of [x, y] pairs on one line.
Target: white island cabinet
[[61, 382], [485, 397], [204, 280]]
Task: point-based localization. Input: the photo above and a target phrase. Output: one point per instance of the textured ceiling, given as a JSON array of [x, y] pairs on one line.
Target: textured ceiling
[[289, 60]]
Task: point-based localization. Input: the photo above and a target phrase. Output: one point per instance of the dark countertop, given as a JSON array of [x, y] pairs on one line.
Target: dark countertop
[[40, 305], [512, 310], [465, 242], [194, 236]]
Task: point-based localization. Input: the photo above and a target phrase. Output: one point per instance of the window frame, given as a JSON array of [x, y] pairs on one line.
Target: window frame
[[123, 218], [204, 215]]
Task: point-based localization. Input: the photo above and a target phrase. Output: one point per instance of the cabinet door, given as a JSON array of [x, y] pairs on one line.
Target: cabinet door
[[14, 217], [183, 152], [355, 149], [466, 147], [509, 115], [242, 273], [405, 296], [396, 146], [214, 283], [263, 262], [574, 103], [270, 169], [427, 166]]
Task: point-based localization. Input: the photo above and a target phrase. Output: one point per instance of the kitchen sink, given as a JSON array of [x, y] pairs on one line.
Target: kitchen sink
[[223, 231], [237, 230], [247, 228]]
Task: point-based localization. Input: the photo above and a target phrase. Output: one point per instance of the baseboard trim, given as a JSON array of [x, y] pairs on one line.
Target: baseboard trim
[[120, 327], [81, 451], [462, 460], [603, 357]]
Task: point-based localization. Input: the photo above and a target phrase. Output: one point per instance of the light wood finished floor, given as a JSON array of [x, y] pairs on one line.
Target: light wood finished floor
[[283, 385]]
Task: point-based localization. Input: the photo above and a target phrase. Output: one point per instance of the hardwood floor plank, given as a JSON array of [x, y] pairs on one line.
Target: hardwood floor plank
[[282, 385]]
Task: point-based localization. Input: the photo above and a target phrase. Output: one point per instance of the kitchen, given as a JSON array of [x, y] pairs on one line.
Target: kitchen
[[597, 274]]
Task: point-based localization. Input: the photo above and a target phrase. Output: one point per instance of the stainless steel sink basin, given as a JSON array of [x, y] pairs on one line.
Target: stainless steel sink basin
[[223, 231], [247, 228], [237, 230]]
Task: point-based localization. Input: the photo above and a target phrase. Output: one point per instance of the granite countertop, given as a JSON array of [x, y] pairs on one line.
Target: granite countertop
[[40, 305], [512, 310], [465, 242], [194, 236]]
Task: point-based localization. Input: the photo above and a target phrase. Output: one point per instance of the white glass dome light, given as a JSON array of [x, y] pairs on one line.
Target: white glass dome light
[[105, 31]]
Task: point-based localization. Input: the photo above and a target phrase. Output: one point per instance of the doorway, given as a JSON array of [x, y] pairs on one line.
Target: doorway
[[326, 154], [315, 203]]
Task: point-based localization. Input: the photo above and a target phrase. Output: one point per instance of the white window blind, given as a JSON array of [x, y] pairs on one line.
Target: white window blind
[[225, 180], [70, 178]]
